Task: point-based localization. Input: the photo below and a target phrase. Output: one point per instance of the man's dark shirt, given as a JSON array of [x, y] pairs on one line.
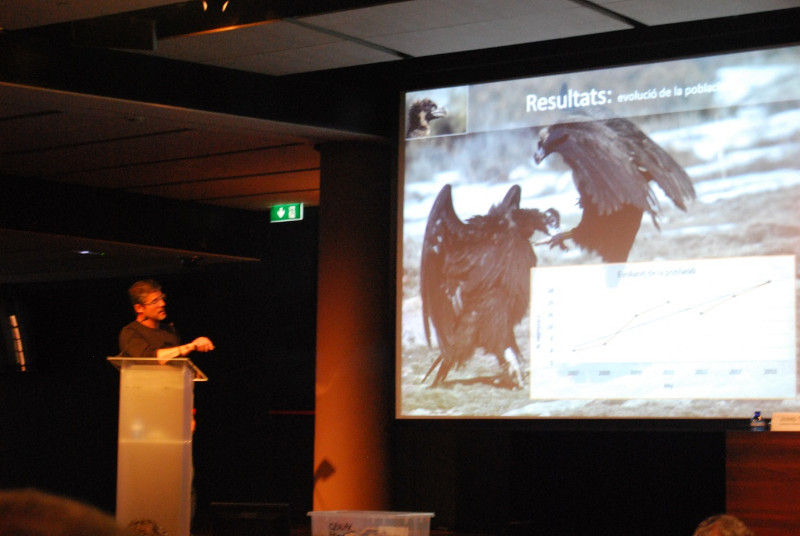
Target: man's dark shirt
[[136, 340]]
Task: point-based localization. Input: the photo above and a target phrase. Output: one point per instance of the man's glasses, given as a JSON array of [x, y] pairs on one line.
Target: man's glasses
[[160, 299]]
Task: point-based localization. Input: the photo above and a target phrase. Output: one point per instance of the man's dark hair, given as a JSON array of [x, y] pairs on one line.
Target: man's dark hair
[[139, 290]]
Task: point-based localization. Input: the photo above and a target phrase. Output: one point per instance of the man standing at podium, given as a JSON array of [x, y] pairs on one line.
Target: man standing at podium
[[148, 336]]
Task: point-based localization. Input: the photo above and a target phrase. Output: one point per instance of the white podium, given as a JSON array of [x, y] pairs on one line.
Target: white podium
[[154, 453]]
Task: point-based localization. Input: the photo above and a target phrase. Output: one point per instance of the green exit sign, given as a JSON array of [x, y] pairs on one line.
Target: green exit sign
[[288, 212]]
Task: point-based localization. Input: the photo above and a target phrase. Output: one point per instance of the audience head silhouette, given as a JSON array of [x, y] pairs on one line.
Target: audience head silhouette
[[30, 512], [722, 525]]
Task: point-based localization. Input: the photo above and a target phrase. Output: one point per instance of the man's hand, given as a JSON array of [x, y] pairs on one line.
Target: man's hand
[[203, 344], [200, 344]]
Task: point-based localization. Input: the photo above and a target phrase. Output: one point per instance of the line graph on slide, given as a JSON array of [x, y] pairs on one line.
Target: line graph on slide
[[663, 312], [711, 327]]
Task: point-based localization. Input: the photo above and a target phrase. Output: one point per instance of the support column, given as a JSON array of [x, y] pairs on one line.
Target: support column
[[355, 329]]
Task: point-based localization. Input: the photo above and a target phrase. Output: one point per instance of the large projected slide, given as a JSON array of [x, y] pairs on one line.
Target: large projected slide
[[614, 243]]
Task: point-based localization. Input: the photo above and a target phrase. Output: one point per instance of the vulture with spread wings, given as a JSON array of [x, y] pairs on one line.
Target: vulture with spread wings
[[475, 281], [613, 164]]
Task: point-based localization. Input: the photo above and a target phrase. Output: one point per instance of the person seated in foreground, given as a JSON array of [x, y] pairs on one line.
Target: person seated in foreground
[[30, 512], [722, 525]]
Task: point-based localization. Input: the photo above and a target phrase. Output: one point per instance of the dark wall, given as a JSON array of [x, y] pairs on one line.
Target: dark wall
[[254, 439], [514, 480]]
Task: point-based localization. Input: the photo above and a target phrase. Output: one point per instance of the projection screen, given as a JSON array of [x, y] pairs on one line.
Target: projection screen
[[618, 243]]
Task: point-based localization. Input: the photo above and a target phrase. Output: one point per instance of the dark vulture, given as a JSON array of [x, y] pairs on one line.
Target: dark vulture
[[475, 281], [613, 164], [420, 115]]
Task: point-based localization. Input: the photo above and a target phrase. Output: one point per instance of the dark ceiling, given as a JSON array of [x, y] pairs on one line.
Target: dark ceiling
[[222, 103]]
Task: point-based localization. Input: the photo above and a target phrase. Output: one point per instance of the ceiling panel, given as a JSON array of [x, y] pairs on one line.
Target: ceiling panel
[[200, 168], [655, 12], [33, 131], [257, 202], [284, 187], [115, 144], [247, 41], [18, 14], [498, 33], [333, 55], [422, 15], [427, 27], [155, 158], [30, 256]]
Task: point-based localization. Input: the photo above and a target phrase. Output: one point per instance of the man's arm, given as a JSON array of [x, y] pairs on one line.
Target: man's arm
[[200, 344]]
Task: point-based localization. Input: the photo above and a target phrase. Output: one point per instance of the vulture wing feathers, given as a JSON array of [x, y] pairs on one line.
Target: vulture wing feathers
[[475, 280], [613, 164]]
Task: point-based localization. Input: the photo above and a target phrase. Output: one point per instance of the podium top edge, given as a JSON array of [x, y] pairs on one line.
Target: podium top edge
[[199, 376]]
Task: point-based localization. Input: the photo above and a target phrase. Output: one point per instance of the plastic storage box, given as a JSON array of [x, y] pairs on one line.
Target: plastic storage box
[[370, 523]]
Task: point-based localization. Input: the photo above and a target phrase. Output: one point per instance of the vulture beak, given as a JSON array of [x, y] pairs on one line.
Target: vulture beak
[[539, 154], [438, 113], [552, 218]]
